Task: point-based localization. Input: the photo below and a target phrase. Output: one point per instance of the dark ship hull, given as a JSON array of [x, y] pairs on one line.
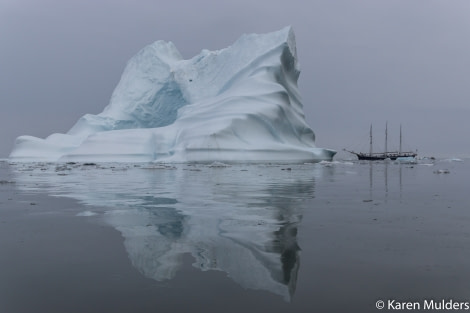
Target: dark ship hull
[[383, 156]]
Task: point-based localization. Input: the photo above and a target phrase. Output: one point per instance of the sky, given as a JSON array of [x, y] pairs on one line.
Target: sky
[[362, 62]]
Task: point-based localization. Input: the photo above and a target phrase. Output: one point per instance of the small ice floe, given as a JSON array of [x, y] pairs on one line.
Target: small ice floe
[[158, 167], [61, 168], [219, 164], [426, 164], [331, 163], [452, 160], [445, 171], [87, 213], [428, 159], [118, 169], [406, 160]]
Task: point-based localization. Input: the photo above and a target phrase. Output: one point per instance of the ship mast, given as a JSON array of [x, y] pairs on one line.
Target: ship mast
[[400, 140], [386, 135], [370, 136]]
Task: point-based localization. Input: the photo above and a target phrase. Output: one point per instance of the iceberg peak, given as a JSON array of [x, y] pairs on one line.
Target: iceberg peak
[[237, 104]]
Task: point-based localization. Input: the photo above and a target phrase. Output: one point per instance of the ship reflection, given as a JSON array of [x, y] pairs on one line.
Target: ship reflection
[[386, 177], [242, 220]]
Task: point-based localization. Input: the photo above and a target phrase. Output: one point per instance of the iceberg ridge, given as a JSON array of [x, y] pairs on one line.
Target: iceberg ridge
[[238, 104]]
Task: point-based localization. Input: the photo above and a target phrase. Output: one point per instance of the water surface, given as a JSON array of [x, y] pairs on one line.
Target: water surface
[[325, 237]]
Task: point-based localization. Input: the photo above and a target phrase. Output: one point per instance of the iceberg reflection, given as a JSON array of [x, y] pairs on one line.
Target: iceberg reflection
[[241, 220]]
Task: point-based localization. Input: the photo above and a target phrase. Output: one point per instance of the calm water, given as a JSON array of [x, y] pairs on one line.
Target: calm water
[[331, 237]]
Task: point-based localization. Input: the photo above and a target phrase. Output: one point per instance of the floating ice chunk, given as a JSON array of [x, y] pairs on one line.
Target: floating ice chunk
[[158, 167], [87, 213], [331, 163], [219, 164], [452, 160], [443, 171], [407, 160]]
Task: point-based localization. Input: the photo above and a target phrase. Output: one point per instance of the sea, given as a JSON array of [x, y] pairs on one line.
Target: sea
[[341, 236]]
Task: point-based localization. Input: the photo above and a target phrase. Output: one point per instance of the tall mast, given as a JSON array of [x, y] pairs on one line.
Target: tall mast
[[370, 136], [386, 135], [400, 140]]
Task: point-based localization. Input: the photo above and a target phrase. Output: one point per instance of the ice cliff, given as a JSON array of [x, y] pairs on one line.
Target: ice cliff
[[240, 103]]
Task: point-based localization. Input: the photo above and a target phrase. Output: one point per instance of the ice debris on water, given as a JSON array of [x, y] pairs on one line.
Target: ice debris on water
[[450, 160], [219, 164], [158, 167], [87, 213], [406, 160], [332, 163]]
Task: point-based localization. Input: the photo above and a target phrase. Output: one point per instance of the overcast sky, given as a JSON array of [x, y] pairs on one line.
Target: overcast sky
[[362, 62]]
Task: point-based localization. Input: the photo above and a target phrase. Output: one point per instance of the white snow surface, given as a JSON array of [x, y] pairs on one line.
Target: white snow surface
[[238, 104]]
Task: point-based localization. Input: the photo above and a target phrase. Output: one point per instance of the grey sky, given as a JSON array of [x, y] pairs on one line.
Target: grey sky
[[368, 61]]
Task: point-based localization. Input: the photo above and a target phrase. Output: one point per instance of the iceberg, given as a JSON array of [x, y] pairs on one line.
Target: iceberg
[[238, 104]]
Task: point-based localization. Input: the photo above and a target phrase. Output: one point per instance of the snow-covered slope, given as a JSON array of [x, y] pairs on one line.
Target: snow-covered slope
[[240, 103]]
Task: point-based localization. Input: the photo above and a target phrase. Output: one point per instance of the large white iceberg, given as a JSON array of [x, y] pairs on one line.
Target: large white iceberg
[[240, 103]]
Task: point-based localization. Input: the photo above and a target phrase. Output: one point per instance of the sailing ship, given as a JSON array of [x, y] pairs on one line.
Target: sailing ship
[[378, 156]]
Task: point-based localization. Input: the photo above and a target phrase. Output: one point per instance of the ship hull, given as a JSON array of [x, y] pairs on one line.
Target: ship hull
[[384, 156]]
